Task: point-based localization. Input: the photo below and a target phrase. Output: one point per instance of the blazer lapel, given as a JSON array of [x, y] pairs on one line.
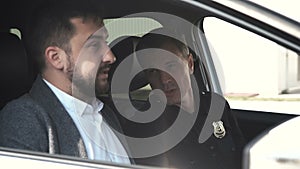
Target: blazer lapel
[[69, 141]]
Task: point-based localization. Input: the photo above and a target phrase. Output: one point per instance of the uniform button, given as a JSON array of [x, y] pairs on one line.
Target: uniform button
[[232, 149], [212, 147]]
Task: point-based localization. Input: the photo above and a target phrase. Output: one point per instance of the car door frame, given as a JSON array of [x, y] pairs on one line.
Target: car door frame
[[252, 122]]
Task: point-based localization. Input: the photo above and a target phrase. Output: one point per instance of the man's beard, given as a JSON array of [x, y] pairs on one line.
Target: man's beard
[[89, 86], [102, 87], [83, 87]]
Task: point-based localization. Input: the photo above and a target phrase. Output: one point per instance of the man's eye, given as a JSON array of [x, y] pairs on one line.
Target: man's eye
[[93, 44], [152, 71], [171, 66]]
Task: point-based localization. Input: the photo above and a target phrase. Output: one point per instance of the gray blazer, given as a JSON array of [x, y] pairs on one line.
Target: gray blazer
[[38, 121]]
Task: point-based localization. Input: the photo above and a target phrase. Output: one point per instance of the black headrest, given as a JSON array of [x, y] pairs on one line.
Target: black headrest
[[13, 68], [123, 47]]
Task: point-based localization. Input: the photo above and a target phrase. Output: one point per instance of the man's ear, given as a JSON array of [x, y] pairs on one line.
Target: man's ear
[[191, 63], [54, 57]]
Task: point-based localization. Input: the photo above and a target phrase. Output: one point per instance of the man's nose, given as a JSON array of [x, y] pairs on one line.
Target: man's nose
[[109, 57]]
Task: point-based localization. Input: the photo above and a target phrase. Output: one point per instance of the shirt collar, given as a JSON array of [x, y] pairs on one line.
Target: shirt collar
[[75, 105]]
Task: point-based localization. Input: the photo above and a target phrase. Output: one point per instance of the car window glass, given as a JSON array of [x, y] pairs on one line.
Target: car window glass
[[254, 72], [16, 32], [136, 26]]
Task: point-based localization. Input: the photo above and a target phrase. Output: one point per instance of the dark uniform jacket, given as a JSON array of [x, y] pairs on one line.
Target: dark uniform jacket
[[214, 153]]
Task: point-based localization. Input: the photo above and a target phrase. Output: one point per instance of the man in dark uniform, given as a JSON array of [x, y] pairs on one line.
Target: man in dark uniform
[[169, 68]]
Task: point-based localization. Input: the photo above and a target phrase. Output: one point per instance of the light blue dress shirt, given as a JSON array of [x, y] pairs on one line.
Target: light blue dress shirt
[[100, 141]]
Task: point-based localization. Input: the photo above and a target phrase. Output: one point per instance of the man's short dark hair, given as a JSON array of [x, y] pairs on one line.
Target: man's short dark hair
[[157, 39], [50, 26]]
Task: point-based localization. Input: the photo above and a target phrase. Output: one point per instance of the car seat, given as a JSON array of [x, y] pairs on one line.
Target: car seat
[[14, 68], [123, 47]]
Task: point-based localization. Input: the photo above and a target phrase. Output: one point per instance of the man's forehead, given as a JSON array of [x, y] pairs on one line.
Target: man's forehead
[[101, 33], [159, 59]]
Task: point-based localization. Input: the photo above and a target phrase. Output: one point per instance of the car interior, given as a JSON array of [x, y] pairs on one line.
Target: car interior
[[18, 72], [14, 67]]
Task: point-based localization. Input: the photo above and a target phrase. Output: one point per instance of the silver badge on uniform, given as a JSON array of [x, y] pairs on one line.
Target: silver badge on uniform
[[219, 129]]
